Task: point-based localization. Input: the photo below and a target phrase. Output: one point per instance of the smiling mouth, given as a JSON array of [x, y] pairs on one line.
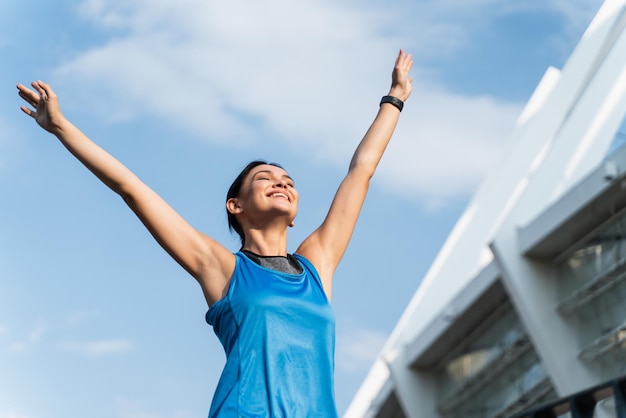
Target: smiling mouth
[[280, 195]]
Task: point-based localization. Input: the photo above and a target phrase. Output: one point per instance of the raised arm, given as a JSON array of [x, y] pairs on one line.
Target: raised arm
[[326, 245], [205, 259]]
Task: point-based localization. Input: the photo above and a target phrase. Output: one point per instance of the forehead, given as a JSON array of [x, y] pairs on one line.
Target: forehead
[[268, 168]]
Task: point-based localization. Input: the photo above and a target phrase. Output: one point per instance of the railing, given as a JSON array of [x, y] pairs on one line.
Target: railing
[[584, 404]]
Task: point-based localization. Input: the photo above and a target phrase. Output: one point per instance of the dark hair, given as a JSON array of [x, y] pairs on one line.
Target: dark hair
[[235, 190]]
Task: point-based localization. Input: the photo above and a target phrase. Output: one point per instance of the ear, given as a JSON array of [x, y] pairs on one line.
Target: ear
[[233, 206], [292, 224]]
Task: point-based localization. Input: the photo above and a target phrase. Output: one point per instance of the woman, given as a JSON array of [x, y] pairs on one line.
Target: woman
[[269, 309]]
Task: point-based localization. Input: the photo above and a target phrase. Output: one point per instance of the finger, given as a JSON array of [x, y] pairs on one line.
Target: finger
[[29, 112], [407, 61], [399, 57], [29, 98], [37, 85], [410, 64], [405, 68], [404, 62], [26, 93], [47, 89]]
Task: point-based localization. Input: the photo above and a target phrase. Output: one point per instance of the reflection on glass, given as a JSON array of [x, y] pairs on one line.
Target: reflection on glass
[[605, 408], [592, 283], [495, 374]]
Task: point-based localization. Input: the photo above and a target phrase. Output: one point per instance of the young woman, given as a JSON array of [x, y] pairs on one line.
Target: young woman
[[269, 309]]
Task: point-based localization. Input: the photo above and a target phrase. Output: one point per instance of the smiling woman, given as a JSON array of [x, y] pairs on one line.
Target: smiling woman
[[270, 310], [234, 192]]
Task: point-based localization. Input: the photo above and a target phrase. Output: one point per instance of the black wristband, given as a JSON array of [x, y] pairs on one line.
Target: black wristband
[[394, 101]]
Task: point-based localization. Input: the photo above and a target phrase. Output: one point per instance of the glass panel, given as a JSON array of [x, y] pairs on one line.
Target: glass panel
[[496, 374], [592, 284], [481, 352], [604, 255]]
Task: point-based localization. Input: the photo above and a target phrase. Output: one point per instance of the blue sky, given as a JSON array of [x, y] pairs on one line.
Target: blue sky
[[95, 319]]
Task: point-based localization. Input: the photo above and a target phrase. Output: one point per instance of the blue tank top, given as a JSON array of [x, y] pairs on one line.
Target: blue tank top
[[278, 332]]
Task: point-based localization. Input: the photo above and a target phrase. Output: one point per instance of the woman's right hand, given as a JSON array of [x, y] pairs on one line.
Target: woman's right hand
[[45, 103]]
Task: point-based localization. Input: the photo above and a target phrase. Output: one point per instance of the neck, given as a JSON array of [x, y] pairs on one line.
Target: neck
[[266, 242]]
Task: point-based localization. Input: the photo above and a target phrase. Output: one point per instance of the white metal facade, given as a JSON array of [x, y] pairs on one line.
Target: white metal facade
[[526, 300]]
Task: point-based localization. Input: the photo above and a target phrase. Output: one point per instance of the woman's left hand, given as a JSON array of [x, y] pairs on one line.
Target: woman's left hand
[[401, 83]]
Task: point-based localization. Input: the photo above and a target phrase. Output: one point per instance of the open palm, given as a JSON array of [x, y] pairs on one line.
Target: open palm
[[45, 104]]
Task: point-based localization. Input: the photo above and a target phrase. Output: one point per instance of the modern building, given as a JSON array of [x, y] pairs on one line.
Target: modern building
[[526, 301]]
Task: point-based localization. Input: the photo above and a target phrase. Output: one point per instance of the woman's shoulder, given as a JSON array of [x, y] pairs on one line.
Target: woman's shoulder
[[307, 264]]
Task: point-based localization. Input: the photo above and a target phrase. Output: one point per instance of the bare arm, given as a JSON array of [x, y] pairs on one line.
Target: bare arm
[[327, 244], [205, 259]]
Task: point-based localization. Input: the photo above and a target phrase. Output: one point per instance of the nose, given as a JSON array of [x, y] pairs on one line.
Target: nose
[[282, 183]]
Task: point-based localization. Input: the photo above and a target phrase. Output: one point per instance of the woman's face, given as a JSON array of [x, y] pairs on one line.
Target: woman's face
[[268, 191]]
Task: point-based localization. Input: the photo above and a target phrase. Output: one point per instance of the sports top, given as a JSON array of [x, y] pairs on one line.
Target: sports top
[[278, 332]]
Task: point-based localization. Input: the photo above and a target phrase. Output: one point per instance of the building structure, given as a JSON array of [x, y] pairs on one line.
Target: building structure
[[524, 304]]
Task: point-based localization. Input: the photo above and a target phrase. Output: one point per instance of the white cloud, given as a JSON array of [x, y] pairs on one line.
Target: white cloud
[[445, 143], [135, 409], [97, 348], [32, 338], [80, 317], [443, 26], [308, 74], [15, 415], [357, 348], [18, 347], [211, 70]]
